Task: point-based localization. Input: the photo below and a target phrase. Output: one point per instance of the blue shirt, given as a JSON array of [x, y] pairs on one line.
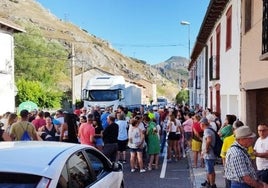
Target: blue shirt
[[103, 118]]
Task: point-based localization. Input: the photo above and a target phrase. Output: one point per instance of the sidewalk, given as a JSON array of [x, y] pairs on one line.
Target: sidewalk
[[198, 175]]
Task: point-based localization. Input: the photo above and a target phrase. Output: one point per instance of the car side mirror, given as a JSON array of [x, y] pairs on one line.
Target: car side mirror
[[116, 166]]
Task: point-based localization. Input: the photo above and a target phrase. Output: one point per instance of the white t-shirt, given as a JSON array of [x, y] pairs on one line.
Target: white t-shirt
[[261, 146], [135, 137]]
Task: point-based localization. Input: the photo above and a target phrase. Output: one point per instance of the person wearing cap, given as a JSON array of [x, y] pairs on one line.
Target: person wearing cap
[[83, 111], [239, 168], [261, 152], [18, 128], [227, 142], [207, 153]]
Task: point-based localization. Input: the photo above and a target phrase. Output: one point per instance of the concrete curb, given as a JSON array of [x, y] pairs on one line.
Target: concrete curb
[[198, 175]]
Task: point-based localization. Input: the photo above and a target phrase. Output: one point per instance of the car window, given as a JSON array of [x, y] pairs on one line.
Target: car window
[[99, 163], [76, 173], [19, 180]]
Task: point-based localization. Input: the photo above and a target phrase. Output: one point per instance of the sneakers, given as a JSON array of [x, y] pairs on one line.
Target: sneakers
[[142, 170], [205, 183], [132, 170]]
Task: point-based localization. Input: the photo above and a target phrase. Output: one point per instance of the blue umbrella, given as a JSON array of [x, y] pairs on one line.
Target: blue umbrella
[[27, 105]]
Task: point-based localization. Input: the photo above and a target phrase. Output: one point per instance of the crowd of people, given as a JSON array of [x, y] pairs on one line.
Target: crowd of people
[[146, 132]]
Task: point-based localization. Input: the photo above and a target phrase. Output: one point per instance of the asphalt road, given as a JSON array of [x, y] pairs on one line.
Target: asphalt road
[[169, 175]]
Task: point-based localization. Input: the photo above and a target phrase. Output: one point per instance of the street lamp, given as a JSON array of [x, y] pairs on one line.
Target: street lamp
[[188, 24]]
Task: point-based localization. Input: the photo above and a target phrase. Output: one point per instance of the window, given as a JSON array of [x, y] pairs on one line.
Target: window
[[247, 12], [218, 45], [211, 46], [76, 173], [229, 28], [265, 27], [97, 163]]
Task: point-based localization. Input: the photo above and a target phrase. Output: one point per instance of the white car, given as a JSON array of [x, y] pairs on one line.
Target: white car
[[42, 164]]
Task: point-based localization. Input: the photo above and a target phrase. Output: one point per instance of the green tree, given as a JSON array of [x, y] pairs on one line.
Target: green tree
[[38, 59], [41, 69], [38, 93], [182, 96]]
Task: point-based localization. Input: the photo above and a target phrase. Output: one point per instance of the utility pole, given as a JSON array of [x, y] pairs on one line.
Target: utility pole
[[82, 76], [73, 78]]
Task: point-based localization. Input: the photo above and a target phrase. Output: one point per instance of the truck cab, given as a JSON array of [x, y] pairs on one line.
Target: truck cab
[[110, 91]]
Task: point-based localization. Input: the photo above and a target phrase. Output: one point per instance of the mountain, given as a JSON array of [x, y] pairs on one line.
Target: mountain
[[174, 69], [90, 51]]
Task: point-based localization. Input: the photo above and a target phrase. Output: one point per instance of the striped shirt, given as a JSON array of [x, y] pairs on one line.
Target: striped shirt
[[238, 164]]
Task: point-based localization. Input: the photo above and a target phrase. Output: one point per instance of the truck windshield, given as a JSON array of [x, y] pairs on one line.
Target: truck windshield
[[103, 95]]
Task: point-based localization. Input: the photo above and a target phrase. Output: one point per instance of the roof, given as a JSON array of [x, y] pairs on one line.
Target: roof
[[214, 12], [33, 157], [10, 26]]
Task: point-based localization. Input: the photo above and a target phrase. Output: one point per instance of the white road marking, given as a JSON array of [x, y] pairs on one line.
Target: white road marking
[[164, 166]]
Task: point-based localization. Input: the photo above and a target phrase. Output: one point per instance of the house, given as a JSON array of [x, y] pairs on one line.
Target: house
[[215, 60], [254, 61], [228, 68], [7, 84]]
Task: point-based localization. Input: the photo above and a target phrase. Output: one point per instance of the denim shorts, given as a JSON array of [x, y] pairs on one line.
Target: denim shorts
[[134, 150], [235, 184], [209, 163], [99, 142]]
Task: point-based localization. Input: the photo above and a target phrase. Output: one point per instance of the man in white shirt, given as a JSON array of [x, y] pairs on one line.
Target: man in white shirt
[[261, 153]]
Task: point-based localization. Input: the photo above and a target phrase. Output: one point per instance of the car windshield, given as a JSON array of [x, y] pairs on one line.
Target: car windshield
[[19, 180]]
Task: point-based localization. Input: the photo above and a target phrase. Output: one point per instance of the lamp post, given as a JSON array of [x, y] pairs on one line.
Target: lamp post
[[188, 24]]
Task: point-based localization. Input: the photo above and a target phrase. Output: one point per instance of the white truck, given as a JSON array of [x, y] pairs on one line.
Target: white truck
[[162, 101], [111, 91]]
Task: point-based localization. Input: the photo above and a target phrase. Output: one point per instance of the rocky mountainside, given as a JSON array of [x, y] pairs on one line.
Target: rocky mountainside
[[91, 51]]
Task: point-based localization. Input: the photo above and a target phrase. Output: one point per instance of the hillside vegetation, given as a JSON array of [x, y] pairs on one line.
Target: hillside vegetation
[[44, 52]]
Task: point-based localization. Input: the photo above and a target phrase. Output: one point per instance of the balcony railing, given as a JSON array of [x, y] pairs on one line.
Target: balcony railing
[[264, 55]]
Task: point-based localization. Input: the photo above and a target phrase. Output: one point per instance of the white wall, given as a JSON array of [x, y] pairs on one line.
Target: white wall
[[7, 85], [229, 63]]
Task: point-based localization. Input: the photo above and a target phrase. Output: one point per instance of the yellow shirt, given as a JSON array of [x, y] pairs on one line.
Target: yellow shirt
[[228, 141]]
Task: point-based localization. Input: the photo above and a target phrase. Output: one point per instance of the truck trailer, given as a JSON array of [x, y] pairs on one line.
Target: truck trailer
[[111, 91]]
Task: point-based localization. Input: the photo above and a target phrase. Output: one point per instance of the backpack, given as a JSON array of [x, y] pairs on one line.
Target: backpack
[[25, 136], [218, 144]]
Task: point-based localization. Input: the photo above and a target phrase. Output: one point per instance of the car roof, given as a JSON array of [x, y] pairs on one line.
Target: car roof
[[35, 157]]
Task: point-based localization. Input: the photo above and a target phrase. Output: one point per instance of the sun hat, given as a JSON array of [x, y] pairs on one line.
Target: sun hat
[[244, 132]]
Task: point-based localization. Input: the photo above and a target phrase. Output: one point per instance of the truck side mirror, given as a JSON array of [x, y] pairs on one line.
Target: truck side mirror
[[121, 94], [84, 94]]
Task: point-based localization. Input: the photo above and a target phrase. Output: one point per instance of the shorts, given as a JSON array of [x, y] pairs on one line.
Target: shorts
[[196, 145], [173, 136], [99, 142], [134, 150], [209, 164], [235, 184], [188, 136], [122, 145]]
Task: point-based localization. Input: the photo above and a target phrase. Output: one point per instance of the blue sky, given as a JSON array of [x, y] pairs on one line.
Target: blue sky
[[149, 30]]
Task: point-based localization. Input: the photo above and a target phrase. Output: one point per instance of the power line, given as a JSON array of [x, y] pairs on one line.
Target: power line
[[146, 45]]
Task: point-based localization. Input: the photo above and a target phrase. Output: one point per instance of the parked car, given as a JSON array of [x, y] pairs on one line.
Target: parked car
[[46, 164]]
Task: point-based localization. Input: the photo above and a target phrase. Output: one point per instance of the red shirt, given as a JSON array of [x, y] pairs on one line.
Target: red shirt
[[38, 123], [197, 128], [86, 130]]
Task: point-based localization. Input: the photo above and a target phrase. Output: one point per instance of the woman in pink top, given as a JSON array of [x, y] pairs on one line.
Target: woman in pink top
[[188, 131], [86, 131]]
